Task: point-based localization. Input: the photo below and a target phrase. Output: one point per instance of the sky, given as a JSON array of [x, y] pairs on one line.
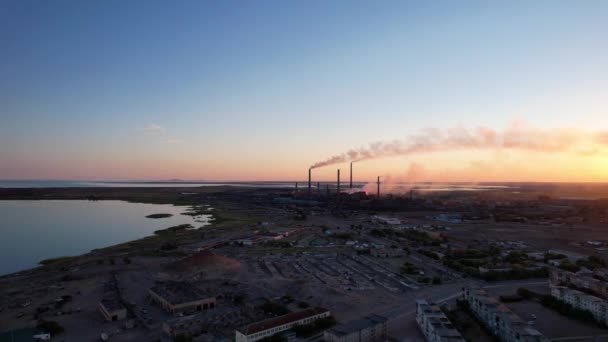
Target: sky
[[262, 90]]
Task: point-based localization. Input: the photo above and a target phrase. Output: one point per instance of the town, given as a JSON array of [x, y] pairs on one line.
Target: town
[[325, 263]]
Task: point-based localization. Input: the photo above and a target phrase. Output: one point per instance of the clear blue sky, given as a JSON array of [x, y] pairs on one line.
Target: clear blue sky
[[226, 89]]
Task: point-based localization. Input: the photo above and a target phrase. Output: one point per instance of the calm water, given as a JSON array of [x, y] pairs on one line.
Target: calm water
[[140, 184], [35, 230]]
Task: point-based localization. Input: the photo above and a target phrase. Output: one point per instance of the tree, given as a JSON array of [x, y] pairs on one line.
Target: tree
[[51, 327]]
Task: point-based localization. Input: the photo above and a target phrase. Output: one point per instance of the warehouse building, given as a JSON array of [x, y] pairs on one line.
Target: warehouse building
[[111, 308], [266, 328], [180, 297]]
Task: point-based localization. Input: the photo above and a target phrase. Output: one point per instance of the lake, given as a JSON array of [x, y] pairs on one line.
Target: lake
[[35, 230]]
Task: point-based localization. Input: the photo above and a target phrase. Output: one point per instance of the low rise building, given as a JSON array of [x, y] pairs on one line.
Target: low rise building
[[435, 326], [500, 321], [180, 297], [111, 308], [580, 300], [190, 325], [581, 280], [266, 328], [368, 329]]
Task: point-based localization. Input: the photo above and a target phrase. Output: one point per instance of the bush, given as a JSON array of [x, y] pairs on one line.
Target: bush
[[51, 327], [274, 308], [429, 254], [182, 337], [436, 281], [303, 305]]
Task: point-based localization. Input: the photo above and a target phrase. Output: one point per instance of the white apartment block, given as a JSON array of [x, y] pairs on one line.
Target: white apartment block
[[435, 326], [502, 322], [580, 300]]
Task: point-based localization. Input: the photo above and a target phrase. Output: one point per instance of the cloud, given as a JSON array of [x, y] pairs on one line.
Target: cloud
[[517, 136], [601, 138], [152, 127], [174, 141]]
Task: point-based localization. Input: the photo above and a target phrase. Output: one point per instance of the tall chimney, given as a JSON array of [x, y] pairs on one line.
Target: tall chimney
[[378, 187], [309, 179], [296, 187], [338, 188], [351, 175]]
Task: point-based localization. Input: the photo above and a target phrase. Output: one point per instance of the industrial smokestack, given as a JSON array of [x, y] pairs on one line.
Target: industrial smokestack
[[351, 175], [338, 188], [296, 187], [309, 179], [378, 187]]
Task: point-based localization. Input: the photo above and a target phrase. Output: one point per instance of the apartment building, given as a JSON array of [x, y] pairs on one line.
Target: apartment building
[[434, 324]]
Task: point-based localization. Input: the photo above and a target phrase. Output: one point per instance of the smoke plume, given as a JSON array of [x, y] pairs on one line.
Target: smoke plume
[[516, 136]]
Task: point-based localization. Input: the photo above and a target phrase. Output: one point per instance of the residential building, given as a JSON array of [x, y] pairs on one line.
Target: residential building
[[266, 328], [500, 321], [180, 297], [435, 326], [368, 329], [581, 280], [580, 300], [111, 308]]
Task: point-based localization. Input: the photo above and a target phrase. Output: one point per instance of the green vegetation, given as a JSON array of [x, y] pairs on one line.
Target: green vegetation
[[344, 236], [303, 305], [56, 260], [429, 254], [274, 308], [553, 256], [173, 230], [182, 337], [567, 265], [278, 244], [423, 280], [159, 216], [409, 268], [436, 280], [592, 262], [515, 265], [51, 327]]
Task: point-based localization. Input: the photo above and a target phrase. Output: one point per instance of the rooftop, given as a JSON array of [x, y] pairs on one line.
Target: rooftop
[[280, 320], [178, 292], [357, 325], [111, 303]]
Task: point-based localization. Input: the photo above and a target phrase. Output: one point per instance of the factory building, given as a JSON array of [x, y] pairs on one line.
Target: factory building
[[266, 328], [111, 308], [189, 325], [179, 297], [498, 319], [435, 326], [580, 300], [368, 329]]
